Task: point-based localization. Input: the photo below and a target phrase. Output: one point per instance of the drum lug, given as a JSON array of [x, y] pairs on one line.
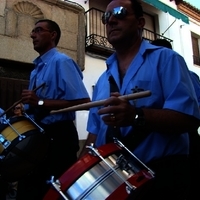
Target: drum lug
[[5, 143], [96, 153], [124, 164], [129, 189], [21, 137], [91, 151], [57, 185], [120, 144]]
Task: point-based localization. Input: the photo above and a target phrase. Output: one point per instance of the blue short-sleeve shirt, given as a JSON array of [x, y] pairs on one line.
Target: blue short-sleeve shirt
[[196, 83], [165, 74], [62, 78], [3, 117]]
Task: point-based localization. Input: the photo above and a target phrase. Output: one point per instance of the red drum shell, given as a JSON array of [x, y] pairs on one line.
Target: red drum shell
[[141, 180]]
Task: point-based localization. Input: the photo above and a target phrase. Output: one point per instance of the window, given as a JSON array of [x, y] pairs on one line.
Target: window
[[96, 37], [195, 47]]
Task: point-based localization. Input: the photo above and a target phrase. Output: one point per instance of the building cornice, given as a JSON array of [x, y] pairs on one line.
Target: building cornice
[[189, 10]]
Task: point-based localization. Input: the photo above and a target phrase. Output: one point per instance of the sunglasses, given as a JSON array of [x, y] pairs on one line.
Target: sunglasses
[[118, 12]]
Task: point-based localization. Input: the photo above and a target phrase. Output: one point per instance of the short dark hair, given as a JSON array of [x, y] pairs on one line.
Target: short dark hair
[[162, 42], [137, 8], [53, 26]]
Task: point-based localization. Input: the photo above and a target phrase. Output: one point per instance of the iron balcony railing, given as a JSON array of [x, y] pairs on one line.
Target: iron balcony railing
[[96, 39]]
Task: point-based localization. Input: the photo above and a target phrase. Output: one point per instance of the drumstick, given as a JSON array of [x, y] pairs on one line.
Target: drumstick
[[86, 106], [43, 84]]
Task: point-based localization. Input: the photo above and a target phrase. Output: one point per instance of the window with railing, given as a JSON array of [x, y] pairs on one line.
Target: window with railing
[[96, 39], [195, 47]]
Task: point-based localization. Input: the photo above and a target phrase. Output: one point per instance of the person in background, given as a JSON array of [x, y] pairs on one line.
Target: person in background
[[18, 110], [193, 75], [194, 152], [196, 83], [154, 128], [162, 43], [194, 156], [3, 183], [63, 88], [2, 118]]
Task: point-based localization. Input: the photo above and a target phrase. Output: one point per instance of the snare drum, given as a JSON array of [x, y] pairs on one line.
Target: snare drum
[[92, 177], [23, 145]]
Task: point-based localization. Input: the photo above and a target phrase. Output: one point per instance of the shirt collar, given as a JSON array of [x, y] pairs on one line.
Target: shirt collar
[[45, 57], [144, 47]]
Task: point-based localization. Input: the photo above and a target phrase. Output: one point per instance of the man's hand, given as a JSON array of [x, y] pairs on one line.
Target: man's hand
[[117, 111]]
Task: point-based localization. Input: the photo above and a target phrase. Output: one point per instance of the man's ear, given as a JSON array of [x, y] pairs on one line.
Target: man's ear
[[141, 22], [54, 35]]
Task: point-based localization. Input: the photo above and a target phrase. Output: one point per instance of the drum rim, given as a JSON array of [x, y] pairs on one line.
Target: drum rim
[[75, 170], [141, 179], [16, 141], [84, 161]]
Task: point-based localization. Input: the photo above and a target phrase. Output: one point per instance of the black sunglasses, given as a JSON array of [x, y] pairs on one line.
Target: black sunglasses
[[118, 12]]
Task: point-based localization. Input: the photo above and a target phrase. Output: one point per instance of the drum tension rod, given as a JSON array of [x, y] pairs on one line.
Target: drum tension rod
[[13, 128], [41, 129], [56, 184], [129, 187], [120, 144]]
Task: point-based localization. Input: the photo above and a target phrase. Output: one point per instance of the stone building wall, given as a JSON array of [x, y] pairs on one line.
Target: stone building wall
[[17, 19]]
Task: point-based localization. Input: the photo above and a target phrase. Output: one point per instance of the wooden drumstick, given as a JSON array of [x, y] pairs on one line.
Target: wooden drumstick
[[86, 106], [43, 84]]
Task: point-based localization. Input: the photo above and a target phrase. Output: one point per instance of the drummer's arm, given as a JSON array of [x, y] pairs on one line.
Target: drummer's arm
[[90, 139]]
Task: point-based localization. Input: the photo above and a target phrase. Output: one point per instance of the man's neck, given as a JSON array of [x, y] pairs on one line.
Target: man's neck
[[125, 55]]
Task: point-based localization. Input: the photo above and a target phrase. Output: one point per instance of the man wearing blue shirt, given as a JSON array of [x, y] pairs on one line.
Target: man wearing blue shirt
[[194, 138], [2, 118], [3, 183], [165, 117], [63, 88], [196, 83]]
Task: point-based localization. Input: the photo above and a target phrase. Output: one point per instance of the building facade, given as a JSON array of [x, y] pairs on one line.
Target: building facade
[[84, 39], [176, 21]]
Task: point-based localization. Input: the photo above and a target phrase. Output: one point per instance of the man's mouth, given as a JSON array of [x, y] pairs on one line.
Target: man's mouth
[[114, 30]]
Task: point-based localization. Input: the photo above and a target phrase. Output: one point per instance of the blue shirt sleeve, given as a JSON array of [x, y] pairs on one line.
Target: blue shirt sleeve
[[196, 83]]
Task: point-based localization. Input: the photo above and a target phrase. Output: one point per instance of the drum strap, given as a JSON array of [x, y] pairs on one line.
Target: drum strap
[[134, 138], [112, 131]]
